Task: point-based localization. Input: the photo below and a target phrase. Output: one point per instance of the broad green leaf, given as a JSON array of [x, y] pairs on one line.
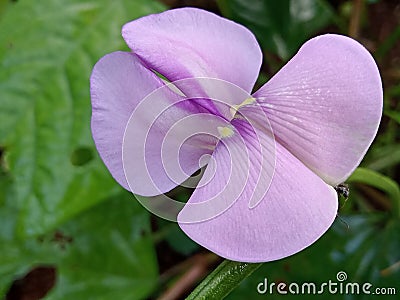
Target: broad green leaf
[[381, 182], [17, 256], [110, 254], [106, 252], [47, 51], [280, 26], [4, 4]]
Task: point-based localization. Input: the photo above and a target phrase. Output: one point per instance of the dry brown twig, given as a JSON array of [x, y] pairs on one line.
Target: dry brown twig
[[197, 268], [355, 19]]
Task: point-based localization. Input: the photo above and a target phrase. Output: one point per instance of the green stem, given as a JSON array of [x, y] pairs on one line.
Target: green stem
[[227, 276], [381, 182]]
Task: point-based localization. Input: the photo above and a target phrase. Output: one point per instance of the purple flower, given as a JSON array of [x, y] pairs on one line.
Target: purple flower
[[272, 156]]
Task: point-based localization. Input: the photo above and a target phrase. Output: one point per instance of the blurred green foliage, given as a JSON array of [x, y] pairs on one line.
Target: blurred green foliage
[[60, 207], [52, 174], [361, 250], [109, 255], [280, 26]]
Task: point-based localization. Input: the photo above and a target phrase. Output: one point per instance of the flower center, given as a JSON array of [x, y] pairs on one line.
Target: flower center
[[235, 108], [225, 132]]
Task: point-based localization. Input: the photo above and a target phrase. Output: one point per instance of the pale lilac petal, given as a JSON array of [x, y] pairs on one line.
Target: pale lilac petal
[[119, 83], [164, 145], [189, 42], [297, 209], [325, 105]]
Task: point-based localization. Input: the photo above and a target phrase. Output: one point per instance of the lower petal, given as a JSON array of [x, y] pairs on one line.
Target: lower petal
[[295, 211]]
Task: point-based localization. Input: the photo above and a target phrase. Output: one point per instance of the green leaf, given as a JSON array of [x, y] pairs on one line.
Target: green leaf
[[106, 252], [280, 26], [175, 237], [383, 157], [381, 182], [47, 51], [388, 43], [180, 242], [17, 256], [394, 115], [4, 5], [225, 278], [110, 254]]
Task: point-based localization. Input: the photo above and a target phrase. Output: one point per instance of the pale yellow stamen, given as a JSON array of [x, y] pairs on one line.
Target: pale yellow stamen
[[235, 107], [225, 132]]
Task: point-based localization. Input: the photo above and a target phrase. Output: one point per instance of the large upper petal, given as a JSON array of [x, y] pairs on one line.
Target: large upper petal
[[189, 42], [121, 85], [325, 105], [295, 211]]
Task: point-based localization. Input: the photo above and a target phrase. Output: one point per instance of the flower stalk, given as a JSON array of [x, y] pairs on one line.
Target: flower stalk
[[226, 277]]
